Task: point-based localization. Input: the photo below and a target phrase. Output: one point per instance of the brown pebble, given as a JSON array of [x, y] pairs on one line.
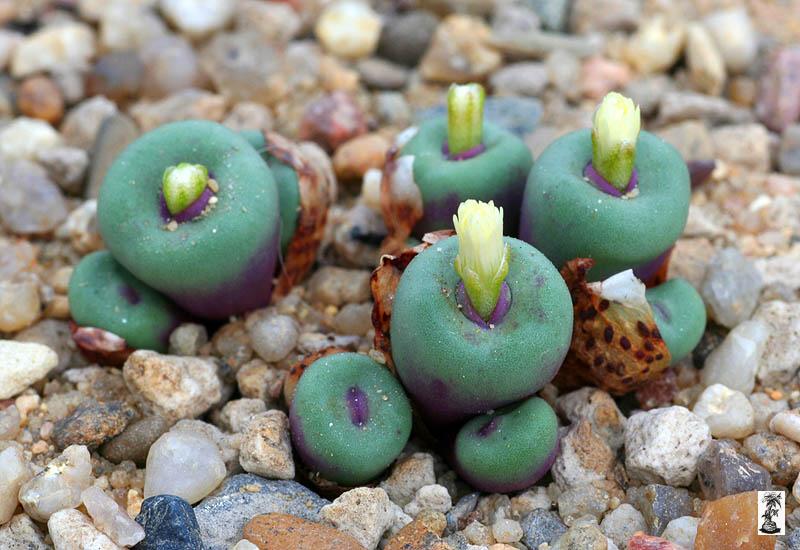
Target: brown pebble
[[421, 534], [92, 424], [332, 120], [358, 155], [39, 97], [135, 441], [282, 531], [732, 523]]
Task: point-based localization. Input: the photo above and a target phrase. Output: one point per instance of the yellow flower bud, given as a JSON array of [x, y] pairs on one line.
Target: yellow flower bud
[[183, 184], [464, 117], [615, 130], [483, 256]]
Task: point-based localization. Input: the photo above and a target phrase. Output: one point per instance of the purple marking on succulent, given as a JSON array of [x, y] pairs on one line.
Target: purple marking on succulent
[[438, 212], [358, 405], [700, 171], [249, 290], [488, 429], [190, 212], [648, 270], [130, 294], [463, 155], [497, 316], [602, 184]]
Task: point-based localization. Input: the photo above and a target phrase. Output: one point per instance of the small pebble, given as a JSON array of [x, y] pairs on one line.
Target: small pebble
[[170, 386], [787, 423], [14, 471], [71, 530], [735, 361], [764, 408], [55, 47], [541, 526], [59, 485], [731, 287], [169, 523], [723, 471], [349, 28], [682, 531], [22, 364], [727, 412], [38, 97], [198, 18], [266, 447], [507, 531], [187, 339], [408, 475], [183, 464], [429, 497], [779, 455], [273, 337], [363, 513], [664, 445], [660, 504], [621, 523], [92, 424], [110, 518]]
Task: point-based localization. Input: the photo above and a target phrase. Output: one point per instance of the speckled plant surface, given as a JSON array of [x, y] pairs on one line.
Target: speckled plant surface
[[217, 264], [350, 418], [446, 360], [102, 294], [566, 216]]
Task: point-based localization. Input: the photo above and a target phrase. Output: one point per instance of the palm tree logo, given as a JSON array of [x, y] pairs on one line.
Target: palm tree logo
[[772, 506]]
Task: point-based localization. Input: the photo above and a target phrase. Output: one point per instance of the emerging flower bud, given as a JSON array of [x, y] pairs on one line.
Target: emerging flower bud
[[614, 133], [483, 258], [464, 117], [182, 185]]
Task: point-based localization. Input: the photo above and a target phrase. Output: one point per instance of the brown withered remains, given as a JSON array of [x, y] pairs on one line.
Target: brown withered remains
[[615, 347]]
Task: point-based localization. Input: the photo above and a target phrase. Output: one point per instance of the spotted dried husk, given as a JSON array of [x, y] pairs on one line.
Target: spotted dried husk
[[401, 205], [615, 347]]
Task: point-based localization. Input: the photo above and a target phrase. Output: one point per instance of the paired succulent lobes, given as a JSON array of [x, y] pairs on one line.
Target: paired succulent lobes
[[349, 418]]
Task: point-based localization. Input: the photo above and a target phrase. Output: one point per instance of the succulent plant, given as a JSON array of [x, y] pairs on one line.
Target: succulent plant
[[103, 295], [350, 418], [509, 449], [611, 194], [217, 256], [464, 345], [448, 160]]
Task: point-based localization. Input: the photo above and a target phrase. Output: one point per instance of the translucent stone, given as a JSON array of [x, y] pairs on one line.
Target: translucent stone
[[198, 19], [183, 464], [722, 471], [349, 29], [25, 137], [731, 287], [59, 485], [22, 364], [9, 423], [273, 337], [70, 530], [735, 362], [111, 518], [787, 424], [29, 202], [727, 412], [731, 522], [14, 471]]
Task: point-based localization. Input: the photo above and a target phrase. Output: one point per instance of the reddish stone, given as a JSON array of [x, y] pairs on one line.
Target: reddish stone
[[332, 120], [732, 523], [282, 531], [640, 541], [39, 97]]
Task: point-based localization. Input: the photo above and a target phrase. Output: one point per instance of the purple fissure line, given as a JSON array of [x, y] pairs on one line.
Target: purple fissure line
[[463, 155], [358, 405], [602, 183], [497, 316], [130, 294], [190, 212]]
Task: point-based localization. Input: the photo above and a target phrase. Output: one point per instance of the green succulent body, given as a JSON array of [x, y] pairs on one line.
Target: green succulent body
[[509, 449], [102, 294], [286, 183], [565, 216], [680, 316], [497, 174], [350, 418], [453, 368], [216, 265]]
